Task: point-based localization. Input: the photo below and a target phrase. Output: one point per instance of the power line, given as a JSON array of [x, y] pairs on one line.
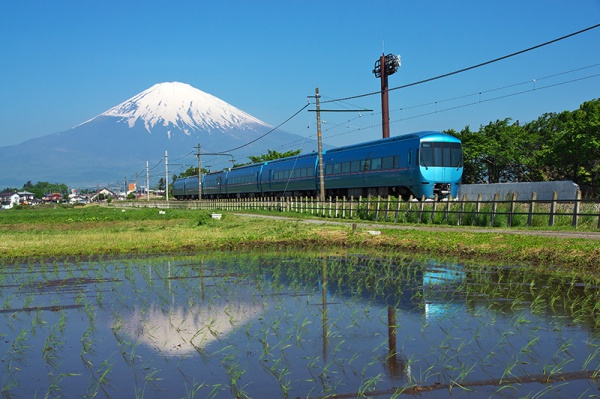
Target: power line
[[472, 103], [270, 131], [471, 67]]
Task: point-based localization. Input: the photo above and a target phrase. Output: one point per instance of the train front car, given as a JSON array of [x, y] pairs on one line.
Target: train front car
[[440, 166]]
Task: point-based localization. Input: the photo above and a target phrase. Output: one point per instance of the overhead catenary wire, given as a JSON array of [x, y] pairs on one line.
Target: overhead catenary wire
[[445, 75], [422, 82], [270, 131]]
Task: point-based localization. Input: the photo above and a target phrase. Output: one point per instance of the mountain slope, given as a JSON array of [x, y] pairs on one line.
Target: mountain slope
[[115, 145]]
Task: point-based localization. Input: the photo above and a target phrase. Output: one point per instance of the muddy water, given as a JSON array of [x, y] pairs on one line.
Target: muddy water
[[273, 326]]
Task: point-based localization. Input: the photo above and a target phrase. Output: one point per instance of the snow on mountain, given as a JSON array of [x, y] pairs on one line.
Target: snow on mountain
[[173, 117], [181, 106]]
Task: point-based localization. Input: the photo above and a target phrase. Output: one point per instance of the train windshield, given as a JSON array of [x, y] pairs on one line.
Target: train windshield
[[441, 154]]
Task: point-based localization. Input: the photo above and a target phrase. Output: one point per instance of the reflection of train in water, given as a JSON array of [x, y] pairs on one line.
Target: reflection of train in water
[[422, 164]]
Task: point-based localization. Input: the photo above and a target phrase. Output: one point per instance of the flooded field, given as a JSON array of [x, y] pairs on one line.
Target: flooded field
[[287, 326]]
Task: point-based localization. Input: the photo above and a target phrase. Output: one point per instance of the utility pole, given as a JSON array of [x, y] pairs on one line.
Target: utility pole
[[318, 110], [147, 181], [199, 175], [166, 176], [385, 66], [320, 147]]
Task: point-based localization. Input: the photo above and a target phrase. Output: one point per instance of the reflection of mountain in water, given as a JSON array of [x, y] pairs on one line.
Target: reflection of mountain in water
[[177, 331]]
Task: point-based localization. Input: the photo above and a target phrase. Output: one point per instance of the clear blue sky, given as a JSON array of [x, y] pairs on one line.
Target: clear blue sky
[[64, 62]]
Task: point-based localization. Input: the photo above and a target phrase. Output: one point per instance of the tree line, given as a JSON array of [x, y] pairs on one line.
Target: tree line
[[41, 188], [556, 146]]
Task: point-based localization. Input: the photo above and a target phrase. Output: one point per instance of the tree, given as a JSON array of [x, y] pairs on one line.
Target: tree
[[474, 171], [161, 184], [271, 155], [572, 146]]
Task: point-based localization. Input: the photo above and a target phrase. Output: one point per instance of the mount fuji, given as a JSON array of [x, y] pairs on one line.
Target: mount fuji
[[173, 117]]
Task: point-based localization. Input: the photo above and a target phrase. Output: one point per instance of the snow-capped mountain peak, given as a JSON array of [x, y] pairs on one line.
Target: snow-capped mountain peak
[[179, 105]]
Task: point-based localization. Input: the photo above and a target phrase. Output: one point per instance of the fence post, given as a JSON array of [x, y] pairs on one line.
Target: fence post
[[377, 208], [368, 206], [512, 209], [397, 209], [462, 208], [576, 208], [477, 207], [494, 205], [552, 208], [434, 208], [387, 207], [421, 207], [447, 208], [531, 209], [351, 205]]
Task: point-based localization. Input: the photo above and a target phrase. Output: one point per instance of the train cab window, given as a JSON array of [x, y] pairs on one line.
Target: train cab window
[[387, 162], [355, 166], [375, 163], [346, 167], [409, 157], [441, 154]]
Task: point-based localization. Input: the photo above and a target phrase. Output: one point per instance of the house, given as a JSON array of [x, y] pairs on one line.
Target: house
[[8, 200], [54, 197], [78, 199], [102, 195], [26, 198]]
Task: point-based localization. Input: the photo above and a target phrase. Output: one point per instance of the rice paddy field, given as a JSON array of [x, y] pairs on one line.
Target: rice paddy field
[[287, 325], [99, 302]]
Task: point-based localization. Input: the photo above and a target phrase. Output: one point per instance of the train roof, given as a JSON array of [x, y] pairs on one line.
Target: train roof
[[401, 137]]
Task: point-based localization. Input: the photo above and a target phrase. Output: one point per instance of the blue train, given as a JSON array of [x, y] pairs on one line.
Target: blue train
[[419, 164]]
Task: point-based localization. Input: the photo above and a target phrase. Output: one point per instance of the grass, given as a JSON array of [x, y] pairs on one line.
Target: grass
[[93, 231]]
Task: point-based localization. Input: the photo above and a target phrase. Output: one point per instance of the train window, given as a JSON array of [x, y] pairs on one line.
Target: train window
[[336, 168], [409, 157], [367, 164], [346, 167], [397, 161], [375, 163], [355, 166], [303, 172], [328, 169], [387, 162], [441, 154], [456, 155]]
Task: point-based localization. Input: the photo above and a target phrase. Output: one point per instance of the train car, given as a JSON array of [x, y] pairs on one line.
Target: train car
[[243, 181], [424, 164], [293, 176], [213, 184], [186, 188], [420, 164]]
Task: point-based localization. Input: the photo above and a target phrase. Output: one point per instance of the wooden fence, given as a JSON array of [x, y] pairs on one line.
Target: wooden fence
[[498, 212]]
